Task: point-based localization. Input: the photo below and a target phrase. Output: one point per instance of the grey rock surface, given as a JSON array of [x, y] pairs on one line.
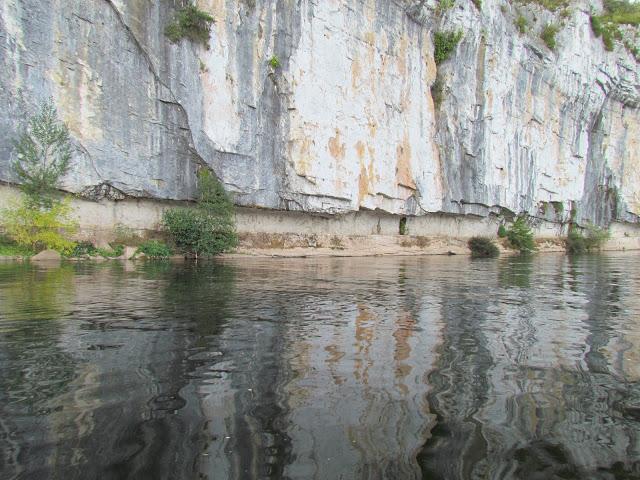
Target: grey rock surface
[[347, 121], [47, 256]]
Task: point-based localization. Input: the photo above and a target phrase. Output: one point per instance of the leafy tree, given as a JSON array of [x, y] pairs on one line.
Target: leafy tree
[[209, 228], [43, 152], [520, 236], [592, 238], [41, 219], [38, 228]]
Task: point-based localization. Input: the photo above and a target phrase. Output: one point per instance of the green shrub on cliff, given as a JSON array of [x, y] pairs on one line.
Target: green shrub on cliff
[[548, 35], [444, 43], [607, 25], [208, 229], [274, 62], [191, 23], [41, 219]]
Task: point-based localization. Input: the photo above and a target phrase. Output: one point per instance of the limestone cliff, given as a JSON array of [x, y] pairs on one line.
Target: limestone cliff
[[347, 122]]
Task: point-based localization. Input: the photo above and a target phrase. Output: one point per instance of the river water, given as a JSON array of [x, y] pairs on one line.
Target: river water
[[333, 368]]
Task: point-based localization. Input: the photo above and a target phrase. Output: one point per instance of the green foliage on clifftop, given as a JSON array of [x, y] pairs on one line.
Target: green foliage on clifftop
[[551, 5], [607, 25]]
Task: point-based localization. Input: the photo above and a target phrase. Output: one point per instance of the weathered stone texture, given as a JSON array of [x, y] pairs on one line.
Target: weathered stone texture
[[347, 122]]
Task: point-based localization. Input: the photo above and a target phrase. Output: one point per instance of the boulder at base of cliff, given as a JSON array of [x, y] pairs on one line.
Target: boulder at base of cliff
[[47, 256], [129, 253]]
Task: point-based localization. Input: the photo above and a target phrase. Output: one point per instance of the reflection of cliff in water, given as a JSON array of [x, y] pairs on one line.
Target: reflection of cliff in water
[[317, 381], [517, 399], [519, 368], [127, 410], [459, 387]]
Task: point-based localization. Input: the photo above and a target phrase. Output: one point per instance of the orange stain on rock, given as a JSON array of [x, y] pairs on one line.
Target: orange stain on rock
[[300, 155], [363, 178], [373, 128], [356, 73], [336, 148], [402, 57], [403, 164]]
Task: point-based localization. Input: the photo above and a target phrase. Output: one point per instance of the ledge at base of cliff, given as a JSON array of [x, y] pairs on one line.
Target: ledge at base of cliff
[[283, 233]]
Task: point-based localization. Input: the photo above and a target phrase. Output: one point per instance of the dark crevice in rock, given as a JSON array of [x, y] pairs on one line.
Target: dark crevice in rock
[[102, 191]]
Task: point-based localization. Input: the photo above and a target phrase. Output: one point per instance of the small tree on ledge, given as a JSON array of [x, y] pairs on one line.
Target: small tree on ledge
[[41, 219], [43, 152]]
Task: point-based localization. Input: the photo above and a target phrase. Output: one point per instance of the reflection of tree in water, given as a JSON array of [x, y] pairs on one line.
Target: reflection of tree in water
[[573, 426], [123, 404], [457, 448], [515, 271], [33, 301], [35, 369], [165, 434], [256, 346], [600, 393], [203, 300]]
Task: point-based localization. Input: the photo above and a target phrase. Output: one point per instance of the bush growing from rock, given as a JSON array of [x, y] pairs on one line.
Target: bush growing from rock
[[548, 35], [274, 62], [482, 247], [191, 23], [444, 43], [154, 249], [208, 229], [578, 242]]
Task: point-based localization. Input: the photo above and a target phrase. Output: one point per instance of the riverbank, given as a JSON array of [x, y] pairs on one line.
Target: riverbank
[[273, 233], [284, 246]]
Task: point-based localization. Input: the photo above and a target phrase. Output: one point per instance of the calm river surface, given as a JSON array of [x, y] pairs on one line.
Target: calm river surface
[[367, 368]]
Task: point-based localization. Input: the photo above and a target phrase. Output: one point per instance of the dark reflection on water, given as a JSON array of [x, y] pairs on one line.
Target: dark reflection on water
[[438, 368]]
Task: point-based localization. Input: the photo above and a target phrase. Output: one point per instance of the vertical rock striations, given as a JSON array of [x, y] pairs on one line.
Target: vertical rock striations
[[346, 121]]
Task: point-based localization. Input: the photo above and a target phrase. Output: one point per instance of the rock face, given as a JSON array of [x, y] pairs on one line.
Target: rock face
[[347, 121]]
